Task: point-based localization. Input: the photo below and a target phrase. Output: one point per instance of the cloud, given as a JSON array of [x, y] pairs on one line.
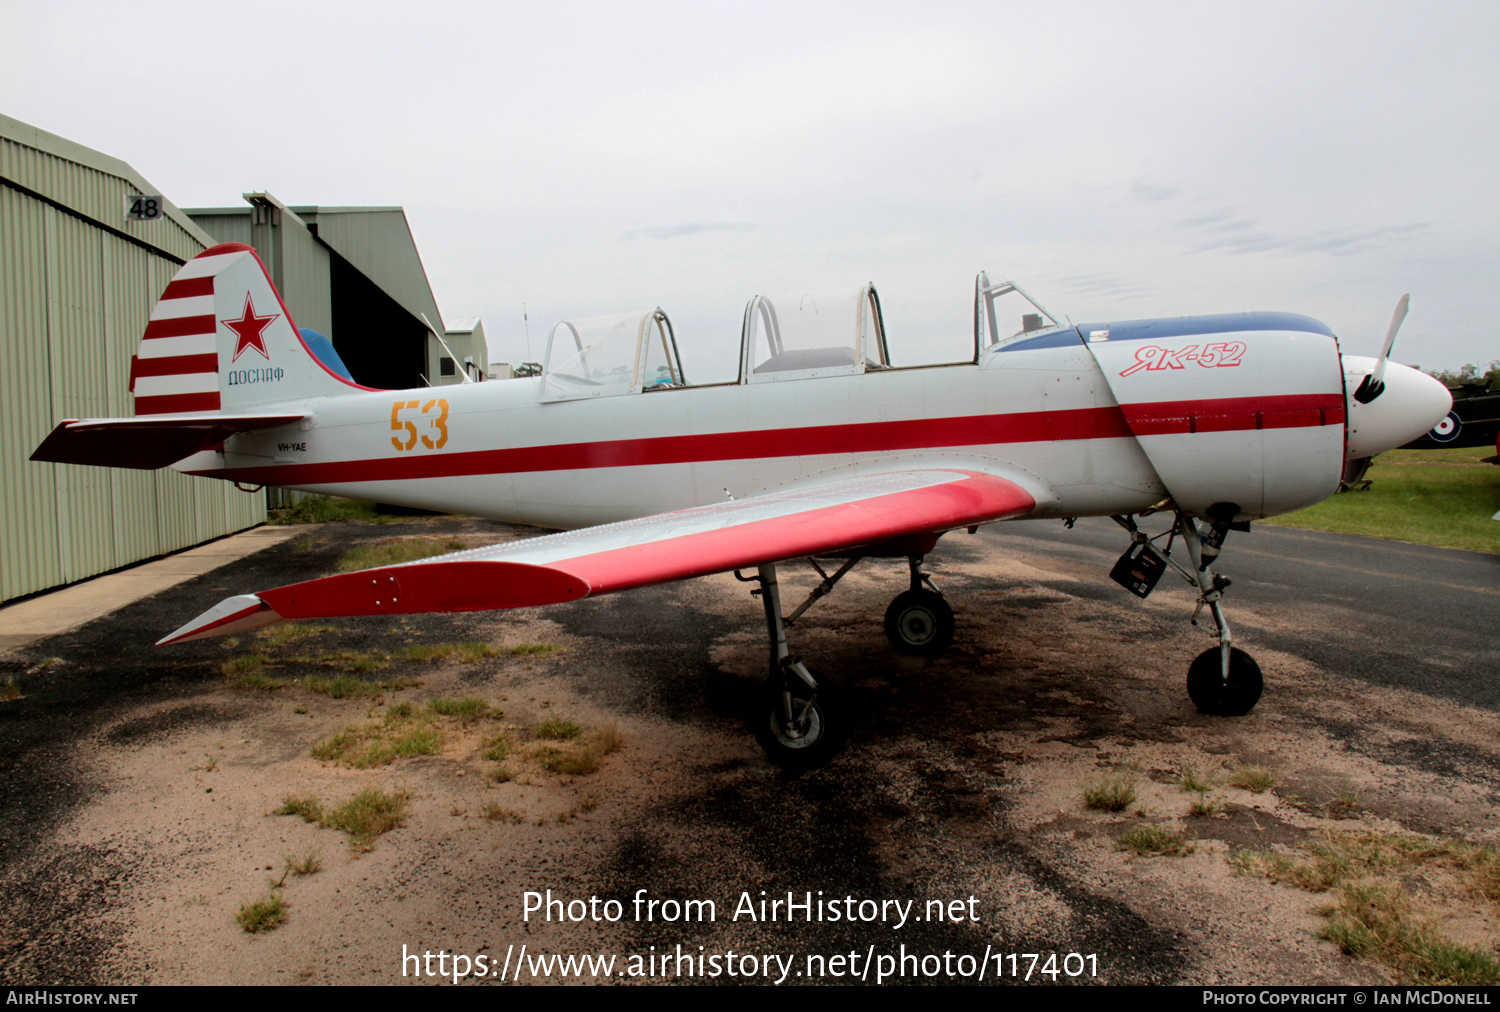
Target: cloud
[[690, 228], [1335, 242], [1102, 284], [1153, 191]]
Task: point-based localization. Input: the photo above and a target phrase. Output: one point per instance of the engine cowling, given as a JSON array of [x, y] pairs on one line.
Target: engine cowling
[[1242, 415]]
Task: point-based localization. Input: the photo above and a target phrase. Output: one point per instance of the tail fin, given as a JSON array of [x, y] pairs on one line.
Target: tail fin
[[221, 339]]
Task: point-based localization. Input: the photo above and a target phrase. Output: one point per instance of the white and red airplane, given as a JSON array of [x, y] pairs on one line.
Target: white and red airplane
[[822, 448]]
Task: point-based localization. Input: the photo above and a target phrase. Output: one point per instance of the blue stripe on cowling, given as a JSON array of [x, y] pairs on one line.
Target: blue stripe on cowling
[[1179, 326], [1221, 323]]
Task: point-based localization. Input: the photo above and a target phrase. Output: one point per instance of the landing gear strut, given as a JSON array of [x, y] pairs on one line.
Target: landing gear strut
[[1224, 680], [919, 620], [797, 722]]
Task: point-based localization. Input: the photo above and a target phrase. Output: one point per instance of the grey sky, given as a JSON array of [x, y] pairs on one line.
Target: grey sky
[[1119, 160]]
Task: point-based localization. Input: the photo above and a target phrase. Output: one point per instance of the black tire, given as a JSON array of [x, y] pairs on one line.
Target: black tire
[[821, 739], [919, 622], [1205, 683]]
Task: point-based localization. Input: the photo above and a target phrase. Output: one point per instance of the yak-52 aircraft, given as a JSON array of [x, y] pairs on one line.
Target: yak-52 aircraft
[[821, 449]]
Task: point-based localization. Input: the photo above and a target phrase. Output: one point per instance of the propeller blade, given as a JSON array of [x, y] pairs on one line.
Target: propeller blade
[[1390, 339], [1374, 384]]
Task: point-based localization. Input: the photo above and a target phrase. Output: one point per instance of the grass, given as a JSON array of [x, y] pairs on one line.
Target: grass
[[406, 730], [498, 813], [280, 635], [333, 508], [10, 689], [583, 753], [498, 748], [344, 687], [243, 665], [395, 552], [265, 915], [1205, 805], [1255, 779], [1430, 497], [364, 817], [309, 808], [1113, 793], [339, 687], [379, 744], [1147, 840], [1191, 781], [533, 649], [463, 709], [309, 863], [557, 728], [1374, 915], [464, 653], [368, 814]]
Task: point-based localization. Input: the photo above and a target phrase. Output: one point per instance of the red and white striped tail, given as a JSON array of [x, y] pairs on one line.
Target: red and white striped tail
[[177, 368], [221, 339]]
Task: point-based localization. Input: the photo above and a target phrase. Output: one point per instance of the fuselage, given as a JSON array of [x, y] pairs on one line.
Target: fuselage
[[1045, 408]]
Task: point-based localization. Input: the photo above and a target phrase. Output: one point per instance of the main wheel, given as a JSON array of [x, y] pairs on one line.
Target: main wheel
[[815, 734], [919, 622], [1206, 686]]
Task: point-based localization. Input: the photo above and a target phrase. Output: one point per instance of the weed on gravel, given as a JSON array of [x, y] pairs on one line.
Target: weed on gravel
[[264, 915], [364, 817], [397, 551], [1255, 779], [1376, 912], [1113, 793], [1148, 840]]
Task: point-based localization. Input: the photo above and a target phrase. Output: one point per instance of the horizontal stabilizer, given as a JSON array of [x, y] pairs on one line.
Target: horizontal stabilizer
[[150, 441], [849, 515]]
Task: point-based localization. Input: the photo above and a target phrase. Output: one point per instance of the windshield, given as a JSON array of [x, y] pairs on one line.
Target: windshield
[[1003, 312]]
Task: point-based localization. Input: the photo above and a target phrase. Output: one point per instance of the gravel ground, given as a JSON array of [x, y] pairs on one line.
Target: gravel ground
[[139, 784]]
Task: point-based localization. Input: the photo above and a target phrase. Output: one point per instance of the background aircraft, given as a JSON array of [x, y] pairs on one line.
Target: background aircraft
[[822, 448]]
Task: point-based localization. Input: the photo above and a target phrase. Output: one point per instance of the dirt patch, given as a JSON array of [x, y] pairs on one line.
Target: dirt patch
[[962, 784]]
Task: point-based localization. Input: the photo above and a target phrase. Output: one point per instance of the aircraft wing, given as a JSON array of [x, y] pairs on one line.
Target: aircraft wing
[[834, 516], [148, 442]]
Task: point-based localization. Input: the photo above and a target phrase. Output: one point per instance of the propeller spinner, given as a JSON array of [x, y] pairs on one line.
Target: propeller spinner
[[1393, 404]]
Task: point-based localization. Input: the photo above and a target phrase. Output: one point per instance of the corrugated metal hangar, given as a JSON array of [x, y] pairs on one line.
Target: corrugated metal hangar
[[78, 279]]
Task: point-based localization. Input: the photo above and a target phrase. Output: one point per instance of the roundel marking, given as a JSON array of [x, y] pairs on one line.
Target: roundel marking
[[1447, 430]]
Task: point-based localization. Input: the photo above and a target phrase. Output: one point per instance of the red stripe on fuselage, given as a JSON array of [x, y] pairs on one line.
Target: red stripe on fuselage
[[866, 437], [1233, 414]]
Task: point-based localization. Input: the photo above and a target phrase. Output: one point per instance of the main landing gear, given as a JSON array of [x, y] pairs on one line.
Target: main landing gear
[[797, 723], [919, 620], [798, 720], [1224, 680]]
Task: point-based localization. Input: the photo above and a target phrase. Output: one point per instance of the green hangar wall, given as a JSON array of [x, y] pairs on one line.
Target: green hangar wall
[[77, 284]]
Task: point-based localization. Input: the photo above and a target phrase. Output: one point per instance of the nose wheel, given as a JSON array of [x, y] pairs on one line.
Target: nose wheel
[[1219, 696]]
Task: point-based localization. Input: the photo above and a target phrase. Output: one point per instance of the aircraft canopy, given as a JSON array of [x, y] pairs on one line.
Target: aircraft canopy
[[806, 334], [603, 356]]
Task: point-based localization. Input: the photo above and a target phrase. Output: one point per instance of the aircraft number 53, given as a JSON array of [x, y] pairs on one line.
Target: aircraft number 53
[[407, 427]]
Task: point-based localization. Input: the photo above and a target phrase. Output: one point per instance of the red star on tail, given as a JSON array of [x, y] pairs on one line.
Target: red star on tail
[[249, 329]]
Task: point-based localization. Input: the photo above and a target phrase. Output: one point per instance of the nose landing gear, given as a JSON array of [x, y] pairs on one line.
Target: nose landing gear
[[1223, 681]]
